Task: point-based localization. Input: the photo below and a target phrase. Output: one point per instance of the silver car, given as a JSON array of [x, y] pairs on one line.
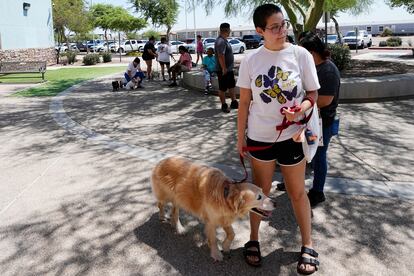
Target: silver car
[[237, 46]]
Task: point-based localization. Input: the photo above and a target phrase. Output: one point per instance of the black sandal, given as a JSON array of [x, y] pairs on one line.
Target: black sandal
[[304, 260], [252, 253]]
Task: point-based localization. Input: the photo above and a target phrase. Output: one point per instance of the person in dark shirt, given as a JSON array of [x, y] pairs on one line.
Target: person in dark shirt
[[149, 54], [225, 65], [328, 96]]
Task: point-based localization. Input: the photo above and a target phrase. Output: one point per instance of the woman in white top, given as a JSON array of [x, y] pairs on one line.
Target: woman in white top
[[278, 83], [164, 54]]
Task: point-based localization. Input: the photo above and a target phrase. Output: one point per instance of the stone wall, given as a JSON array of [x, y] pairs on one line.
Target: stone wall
[[32, 54]]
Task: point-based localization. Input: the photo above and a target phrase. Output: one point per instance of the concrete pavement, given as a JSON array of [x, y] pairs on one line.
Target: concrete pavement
[[75, 194]]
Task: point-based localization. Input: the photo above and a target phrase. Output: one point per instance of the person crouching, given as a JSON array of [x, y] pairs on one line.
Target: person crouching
[[134, 75]]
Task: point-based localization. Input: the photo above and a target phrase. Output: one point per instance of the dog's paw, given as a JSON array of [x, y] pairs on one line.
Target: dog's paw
[[217, 256]]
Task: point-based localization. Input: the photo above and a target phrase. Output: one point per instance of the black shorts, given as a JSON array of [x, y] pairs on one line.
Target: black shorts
[[226, 81], [164, 63], [286, 153]]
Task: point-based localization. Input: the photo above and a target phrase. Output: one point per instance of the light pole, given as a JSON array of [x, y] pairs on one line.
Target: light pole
[[186, 26], [93, 32], [195, 28]]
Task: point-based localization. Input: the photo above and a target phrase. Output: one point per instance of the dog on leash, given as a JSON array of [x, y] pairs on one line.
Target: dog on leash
[[209, 195]]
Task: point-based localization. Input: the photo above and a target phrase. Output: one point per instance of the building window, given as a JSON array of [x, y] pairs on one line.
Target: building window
[[368, 28], [381, 28]]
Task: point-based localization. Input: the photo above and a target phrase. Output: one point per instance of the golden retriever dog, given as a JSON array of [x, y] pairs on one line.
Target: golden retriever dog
[[209, 195]]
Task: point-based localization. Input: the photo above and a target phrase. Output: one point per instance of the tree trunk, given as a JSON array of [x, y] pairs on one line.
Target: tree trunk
[[106, 40], [314, 14], [337, 29], [168, 33]]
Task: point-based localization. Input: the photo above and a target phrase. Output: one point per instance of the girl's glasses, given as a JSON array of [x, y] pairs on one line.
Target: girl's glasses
[[275, 29]]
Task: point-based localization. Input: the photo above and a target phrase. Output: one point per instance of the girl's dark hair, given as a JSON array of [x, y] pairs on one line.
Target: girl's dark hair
[[137, 60], [311, 42], [182, 48], [262, 13], [163, 39]]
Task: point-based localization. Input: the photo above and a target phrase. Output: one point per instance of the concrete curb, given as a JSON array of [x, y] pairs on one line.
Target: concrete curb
[[402, 190], [352, 89]]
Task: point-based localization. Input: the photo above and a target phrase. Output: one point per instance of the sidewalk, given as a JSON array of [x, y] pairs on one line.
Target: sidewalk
[[75, 193]]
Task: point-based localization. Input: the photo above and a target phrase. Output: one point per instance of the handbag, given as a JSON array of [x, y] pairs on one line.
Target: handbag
[[314, 125]]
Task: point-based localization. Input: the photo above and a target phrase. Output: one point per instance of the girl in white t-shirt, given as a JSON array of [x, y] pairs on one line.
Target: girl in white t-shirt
[[278, 83], [164, 54]]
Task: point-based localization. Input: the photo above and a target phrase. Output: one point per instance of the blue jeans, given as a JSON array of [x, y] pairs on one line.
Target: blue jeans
[[139, 74], [319, 162]]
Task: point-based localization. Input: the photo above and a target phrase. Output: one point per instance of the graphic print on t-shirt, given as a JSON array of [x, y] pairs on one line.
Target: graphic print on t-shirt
[[277, 85]]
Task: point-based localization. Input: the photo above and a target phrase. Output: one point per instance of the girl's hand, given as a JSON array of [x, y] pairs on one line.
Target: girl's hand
[[292, 113], [240, 145]]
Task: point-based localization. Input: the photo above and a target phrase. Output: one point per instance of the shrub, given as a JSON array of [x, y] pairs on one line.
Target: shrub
[[394, 41], [91, 59], [71, 55], [383, 44], [386, 32], [340, 55], [106, 57], [134, 54]]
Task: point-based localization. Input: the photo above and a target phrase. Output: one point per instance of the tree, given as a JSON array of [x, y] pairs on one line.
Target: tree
[[150, 33], [70, 15], [304, 15], [407, 4], [354, 7], [109, 17], [160, 12]]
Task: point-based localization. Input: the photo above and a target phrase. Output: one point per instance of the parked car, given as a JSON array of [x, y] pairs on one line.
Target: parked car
[[95, 42], [64, 47], [82, 46], [190, 45], [208, 43], [237, 46], [174, 46], [101, 47], [361, 40], [332, 39], [131, 45], [251, 41]]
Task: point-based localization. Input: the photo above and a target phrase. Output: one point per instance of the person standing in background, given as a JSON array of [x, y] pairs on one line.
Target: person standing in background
[[149, 54], [164, 54], [200, 49], [225, 65], [328, 97]]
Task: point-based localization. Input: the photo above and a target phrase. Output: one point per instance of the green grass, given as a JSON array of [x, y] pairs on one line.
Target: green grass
[[57, 80]]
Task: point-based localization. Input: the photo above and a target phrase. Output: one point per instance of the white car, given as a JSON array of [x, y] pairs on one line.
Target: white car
[[174, 46], [64, 48], [102, 47], [208, 43], [132, 45], [361, 40], [237, 46]]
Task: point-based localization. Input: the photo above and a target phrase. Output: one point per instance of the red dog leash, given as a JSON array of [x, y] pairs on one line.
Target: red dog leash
[[285, 124]]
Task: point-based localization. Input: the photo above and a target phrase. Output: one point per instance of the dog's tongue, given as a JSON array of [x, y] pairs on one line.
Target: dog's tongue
[[261, 212]]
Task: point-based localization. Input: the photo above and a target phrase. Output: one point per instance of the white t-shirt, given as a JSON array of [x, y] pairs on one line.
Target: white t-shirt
[[133, 69], [276, 80], [164, 52]]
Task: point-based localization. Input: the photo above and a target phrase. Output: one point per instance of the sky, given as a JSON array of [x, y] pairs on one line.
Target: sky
[[378, 12]]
